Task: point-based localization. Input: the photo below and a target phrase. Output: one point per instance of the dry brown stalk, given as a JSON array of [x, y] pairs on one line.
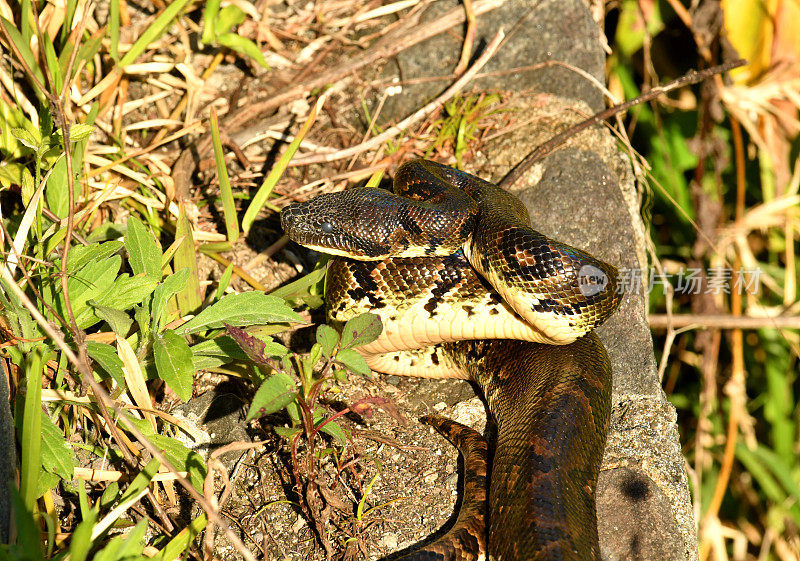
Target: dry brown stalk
[[469, 38], [722, 321], [735, 387]]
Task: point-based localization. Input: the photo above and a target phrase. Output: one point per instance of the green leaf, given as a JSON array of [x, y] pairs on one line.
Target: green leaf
[[106, 231], [126, 547], [11, 173], [244, 47], [328, 338], [361, 330], [56, 191], [171, 285], [287, 432], [89, 283], [27, 138], [174, 363], [119, 321], [249, 308], [27, 187], [80, 255], [19, 319], [109, 496], [57, 455], [223, 347], [353, 361], [201, 362], [275, 393], [182, 459], [81, 131], [46, 482], [144, 253], [28, 539], [107, 358], [81, 542], [189, 299], [336, 431], [127, 291], [142, 317], [227, 17], [209, 21]]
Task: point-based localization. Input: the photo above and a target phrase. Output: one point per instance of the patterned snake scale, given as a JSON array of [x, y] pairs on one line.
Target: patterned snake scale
[[467, 289]]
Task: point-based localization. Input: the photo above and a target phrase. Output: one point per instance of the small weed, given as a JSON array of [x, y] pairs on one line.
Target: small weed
[[463, 120]]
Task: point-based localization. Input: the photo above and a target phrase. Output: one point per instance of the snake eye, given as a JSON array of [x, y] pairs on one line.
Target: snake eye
[[326, 227]]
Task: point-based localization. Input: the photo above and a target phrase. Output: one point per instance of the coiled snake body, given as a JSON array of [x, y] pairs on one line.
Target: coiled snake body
[[466, 289]]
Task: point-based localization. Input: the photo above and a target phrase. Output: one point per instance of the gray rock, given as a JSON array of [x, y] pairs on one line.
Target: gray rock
[[221, 416], [583, 194], [537, 33]]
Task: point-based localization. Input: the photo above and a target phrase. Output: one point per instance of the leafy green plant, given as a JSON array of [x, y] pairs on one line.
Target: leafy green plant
[[461, 124], [295, 385], [217, 28]]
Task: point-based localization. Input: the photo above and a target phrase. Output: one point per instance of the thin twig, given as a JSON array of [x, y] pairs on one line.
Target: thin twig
[[543, 150], [723, 321], [391, 132], [469, 38]]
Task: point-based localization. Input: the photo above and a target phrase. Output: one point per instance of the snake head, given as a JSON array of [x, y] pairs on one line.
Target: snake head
[[353, 223]]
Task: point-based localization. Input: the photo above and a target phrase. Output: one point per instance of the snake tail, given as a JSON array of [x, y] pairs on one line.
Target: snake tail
[[466, 540], [552, 407]]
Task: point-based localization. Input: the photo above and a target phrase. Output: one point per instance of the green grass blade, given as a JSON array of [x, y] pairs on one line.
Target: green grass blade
[[189, 299], [183, 540], [780, 469], [113, 29], [263, 193], [32, 431], [26, 21], [156, 29], [51, 60], [780, 403], [753, 464], [28, 539], [228, 205], [27, 55]]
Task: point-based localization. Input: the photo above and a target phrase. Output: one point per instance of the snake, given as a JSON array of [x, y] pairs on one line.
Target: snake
[[466, 288]]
